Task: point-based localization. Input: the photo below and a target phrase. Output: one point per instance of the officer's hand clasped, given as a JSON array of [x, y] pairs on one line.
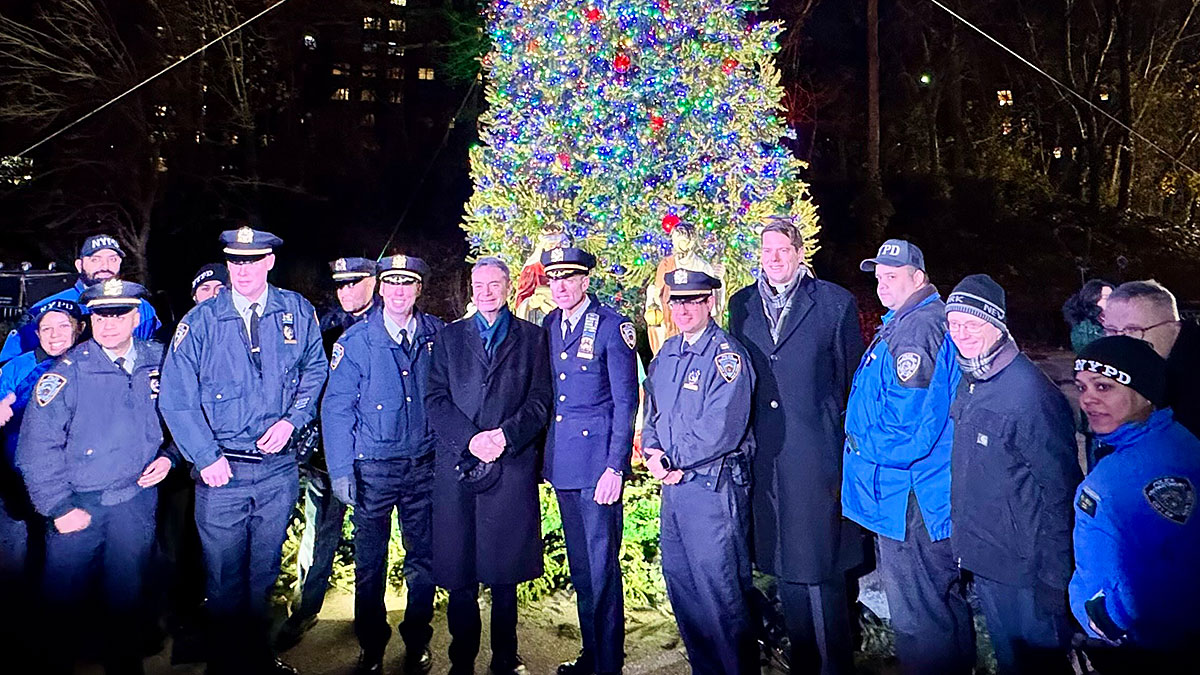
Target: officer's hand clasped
[[217, 474], [276, 437], [154, 472], [488, 445], [74, 520]]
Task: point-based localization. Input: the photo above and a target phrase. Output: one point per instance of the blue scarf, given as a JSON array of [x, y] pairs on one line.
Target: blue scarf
[[494, 334]]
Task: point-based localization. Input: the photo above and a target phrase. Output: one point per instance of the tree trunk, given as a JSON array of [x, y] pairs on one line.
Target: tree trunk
[[1125, 154]]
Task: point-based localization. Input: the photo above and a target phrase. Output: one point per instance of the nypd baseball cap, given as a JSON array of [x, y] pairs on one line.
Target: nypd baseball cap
[[97, 242], [895, 253]]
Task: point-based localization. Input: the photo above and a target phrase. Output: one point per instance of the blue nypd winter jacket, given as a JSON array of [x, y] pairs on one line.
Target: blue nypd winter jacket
[[898, 428], [1137, 537]]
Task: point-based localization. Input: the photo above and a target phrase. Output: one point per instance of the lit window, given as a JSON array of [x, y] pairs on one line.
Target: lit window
[[395, 73], [400, 3], [395, 50], [372, 23], [396, 97], [160, 111], [368, 120], [341, 94], [369, 70], [396, 24], [370, 47], [424, 73], [310, 41], [340, 69], [366, 95], [1004, 97]]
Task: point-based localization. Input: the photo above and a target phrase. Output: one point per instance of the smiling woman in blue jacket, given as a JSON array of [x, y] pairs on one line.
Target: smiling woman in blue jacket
[[1013, 472], [1137, 537]]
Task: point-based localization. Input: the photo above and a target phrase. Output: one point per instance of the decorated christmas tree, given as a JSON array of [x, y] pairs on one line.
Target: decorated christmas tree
[[616, 121]]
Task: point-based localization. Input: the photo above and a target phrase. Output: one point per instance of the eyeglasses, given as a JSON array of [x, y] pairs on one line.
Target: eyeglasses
[[972, 328], [1137, 331], [687, 302]]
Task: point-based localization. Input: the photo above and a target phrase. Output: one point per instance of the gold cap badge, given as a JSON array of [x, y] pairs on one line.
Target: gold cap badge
[[245, 235], [339, 265], [112, 288], [399, 261], [681, 276], [556, 255]]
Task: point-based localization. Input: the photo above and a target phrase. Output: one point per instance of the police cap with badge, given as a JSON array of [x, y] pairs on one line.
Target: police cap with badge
[[113, 297], [247, 245], [402, 269], [351, 270], [99, 242], [210, 272], [562, 263], [690, 284]]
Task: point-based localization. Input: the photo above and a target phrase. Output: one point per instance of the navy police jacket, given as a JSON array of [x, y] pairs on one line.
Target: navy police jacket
[[898, 429], [698, 404], [1137, 537], [215, 398], [1014, 472], [91, 429], [374, 403], [17, 377], [596, 397]]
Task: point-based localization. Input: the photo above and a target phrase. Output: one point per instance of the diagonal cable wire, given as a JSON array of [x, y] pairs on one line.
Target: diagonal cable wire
[[428, 168], [153, 77], [1067, 89]]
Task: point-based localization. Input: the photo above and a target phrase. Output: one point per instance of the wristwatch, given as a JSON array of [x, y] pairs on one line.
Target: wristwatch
[[616, 472]]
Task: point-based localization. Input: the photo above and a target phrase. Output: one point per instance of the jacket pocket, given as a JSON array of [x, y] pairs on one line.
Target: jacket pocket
[[225, 408]]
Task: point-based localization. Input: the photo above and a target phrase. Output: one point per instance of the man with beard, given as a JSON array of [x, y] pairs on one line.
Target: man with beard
[[99, 260]]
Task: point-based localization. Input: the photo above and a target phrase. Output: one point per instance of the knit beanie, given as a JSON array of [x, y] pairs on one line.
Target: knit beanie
[[979, 295], [1128, 361]]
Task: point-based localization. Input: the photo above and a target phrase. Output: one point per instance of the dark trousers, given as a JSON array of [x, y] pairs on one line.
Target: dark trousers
[[593, 535], [242, 527], [462, 615], [108, 561], [706, 564], [818, 626], [1026, 637], [405, 485], [927, 600], [323, 518]]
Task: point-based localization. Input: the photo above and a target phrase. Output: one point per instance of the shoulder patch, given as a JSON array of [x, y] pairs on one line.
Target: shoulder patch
[[1088, 501], [729, 365], [47, 388], [907, 365], [1173, 497], [338, 352], [628, 334], [181, 332]]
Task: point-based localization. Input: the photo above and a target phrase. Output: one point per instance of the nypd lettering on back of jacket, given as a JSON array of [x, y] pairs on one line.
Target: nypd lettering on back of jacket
[[214, 397], [596, 396], [698, 403], [898, 429], [91, 429], [374, 403]]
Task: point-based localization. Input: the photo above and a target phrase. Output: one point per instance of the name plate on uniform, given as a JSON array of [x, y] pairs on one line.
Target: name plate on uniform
[[693, 380], [289, 328], [587, 343]]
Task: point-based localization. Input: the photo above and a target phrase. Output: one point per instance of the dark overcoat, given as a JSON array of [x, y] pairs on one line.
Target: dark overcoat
[[803, 381], [493, 537]]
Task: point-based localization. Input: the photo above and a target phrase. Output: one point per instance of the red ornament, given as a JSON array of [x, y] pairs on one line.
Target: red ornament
[[669, 222], [657, 122], [622, 62], [531, 46], [728, 65], [664, 5], [564, 160], [593, 15]]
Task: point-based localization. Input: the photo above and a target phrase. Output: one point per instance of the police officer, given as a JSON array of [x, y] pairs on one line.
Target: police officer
[[697, 443], [1137, 534], [896, 471], [380, 455], [99, 259], [242, 373], [587, 450], [209, 280], [323, 514], [90, 450]]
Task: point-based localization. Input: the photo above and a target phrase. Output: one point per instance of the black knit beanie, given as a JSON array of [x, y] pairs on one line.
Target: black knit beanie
[[1127, 361], [979, 295]]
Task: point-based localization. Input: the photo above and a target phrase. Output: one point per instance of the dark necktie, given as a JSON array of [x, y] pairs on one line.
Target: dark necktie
[[120, 361], [404, 341], [255, 349]]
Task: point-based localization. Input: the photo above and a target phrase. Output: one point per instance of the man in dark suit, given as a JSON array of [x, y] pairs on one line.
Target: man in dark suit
[[804, 343], [488, 401]]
